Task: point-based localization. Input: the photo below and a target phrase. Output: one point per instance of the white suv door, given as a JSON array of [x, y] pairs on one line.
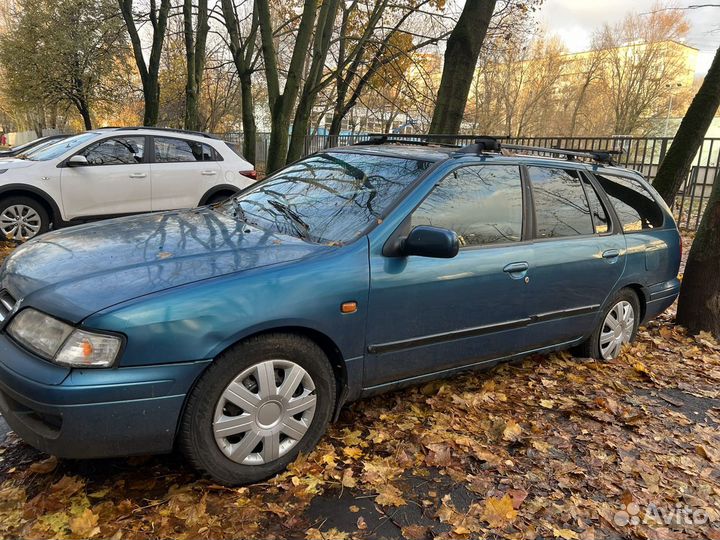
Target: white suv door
[[183, 170], [115, 180]]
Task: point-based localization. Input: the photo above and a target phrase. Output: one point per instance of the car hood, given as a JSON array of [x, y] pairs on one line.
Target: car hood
[[8, 162], [75, 272]]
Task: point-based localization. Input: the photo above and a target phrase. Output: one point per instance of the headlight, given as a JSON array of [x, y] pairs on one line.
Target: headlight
[[54, 340]]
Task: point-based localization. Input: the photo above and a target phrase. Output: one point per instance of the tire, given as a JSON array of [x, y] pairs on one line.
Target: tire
[[231, 459], [22, 218], [597, 345], [218, 197]]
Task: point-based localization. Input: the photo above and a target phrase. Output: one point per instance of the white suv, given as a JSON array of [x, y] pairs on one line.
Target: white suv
[[116, 171]]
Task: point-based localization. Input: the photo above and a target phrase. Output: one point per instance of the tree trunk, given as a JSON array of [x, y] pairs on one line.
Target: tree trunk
[[149, 72], [195, 59], [675, 166], [699, 304], [282, 105], [323, 35], [248, 118], [461, 56]]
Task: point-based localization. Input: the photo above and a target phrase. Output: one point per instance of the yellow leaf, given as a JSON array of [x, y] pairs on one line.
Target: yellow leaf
[[566, 534], [85, 524], [512, 431], [353, 452], [499, 512], [547, 403], [348, 480], [389, 495], [45, 466]]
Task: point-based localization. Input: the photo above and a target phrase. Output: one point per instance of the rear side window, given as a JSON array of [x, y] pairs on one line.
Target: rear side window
[[482, 204], [170, 150], [561, 208], [633, 204]]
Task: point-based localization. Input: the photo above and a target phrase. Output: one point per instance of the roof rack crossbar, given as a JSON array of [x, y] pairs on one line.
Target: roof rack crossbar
[[602, 156]]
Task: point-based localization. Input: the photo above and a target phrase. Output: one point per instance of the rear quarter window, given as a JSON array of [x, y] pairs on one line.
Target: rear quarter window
[[634, 205]]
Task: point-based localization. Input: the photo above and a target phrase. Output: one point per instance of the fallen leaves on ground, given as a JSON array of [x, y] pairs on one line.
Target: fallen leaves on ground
[[548, 447]]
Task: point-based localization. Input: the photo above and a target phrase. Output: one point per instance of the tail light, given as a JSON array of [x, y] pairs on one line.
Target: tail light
[[250, 174]]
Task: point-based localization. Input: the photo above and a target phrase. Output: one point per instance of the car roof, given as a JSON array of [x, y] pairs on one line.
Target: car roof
[[158, 129]]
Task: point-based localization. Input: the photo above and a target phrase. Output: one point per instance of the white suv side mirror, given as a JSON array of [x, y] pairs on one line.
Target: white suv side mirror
[[77, 161]]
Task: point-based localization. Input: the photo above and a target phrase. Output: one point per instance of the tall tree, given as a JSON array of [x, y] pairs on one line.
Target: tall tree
[[699, 304], [243, 54], [281, 104], [461, 56], [195, 46], [61, 51], [675, 166], [150, 71]]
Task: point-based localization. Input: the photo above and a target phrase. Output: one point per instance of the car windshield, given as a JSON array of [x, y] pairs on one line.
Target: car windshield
[[332, 197], [62, 146]]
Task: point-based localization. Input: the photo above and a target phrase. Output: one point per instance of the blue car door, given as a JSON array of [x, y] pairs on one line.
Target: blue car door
[[578, 256], [428, 315]]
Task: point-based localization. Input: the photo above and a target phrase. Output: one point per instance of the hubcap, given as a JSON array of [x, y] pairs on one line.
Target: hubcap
[[264, 412], [19, 221], [617, 329]]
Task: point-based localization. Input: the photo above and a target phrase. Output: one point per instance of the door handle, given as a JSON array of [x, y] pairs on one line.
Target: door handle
[[209, 173], [516, 267], [516, 270], [138, 175], [611, 254]]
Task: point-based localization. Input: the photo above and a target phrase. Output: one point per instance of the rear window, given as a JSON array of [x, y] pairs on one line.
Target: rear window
[[634, 206]]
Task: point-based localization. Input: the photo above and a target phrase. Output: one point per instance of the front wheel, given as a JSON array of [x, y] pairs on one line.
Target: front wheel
[[21, 218], [617, 327], [257, 407]]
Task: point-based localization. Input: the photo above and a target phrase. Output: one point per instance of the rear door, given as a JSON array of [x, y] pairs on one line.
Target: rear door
[[427, 315], [183, 170], [578, 256], [115, 181]]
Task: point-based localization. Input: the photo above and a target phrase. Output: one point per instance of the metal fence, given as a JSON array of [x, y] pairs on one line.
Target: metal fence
[[642, 154]]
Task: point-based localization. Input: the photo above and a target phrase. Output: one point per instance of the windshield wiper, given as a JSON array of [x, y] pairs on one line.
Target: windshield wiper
[[302, 228]]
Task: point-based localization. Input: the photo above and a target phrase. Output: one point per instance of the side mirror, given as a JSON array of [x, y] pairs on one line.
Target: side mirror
[[77, 161], [425, 241]]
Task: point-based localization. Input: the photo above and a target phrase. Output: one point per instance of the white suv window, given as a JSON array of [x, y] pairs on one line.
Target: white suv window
[[171, 150], [116, 151]]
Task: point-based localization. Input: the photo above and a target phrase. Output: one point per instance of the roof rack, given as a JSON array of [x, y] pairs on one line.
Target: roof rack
[[171, 130], [490, 144], [420, 140]]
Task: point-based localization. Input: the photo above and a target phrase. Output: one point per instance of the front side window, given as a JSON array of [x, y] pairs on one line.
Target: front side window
[[633, 204], [333, 197], [483, 204], [116, 151], [561, 208], [171, 150]]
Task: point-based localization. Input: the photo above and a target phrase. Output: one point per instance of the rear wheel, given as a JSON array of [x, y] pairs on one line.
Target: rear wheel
[[219, 197], [617, 327], [21, 218], [257, 407]]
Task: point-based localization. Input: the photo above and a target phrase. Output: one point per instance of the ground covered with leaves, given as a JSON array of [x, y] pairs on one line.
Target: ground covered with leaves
[[549, 447]]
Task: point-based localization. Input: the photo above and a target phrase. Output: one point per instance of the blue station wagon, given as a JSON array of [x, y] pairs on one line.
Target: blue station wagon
[[235, 332]]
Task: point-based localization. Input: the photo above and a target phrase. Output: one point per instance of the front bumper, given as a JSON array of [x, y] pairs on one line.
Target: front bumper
[[94, 412]]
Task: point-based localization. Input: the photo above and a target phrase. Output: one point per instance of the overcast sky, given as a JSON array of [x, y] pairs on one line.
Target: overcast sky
[[575, 20]]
